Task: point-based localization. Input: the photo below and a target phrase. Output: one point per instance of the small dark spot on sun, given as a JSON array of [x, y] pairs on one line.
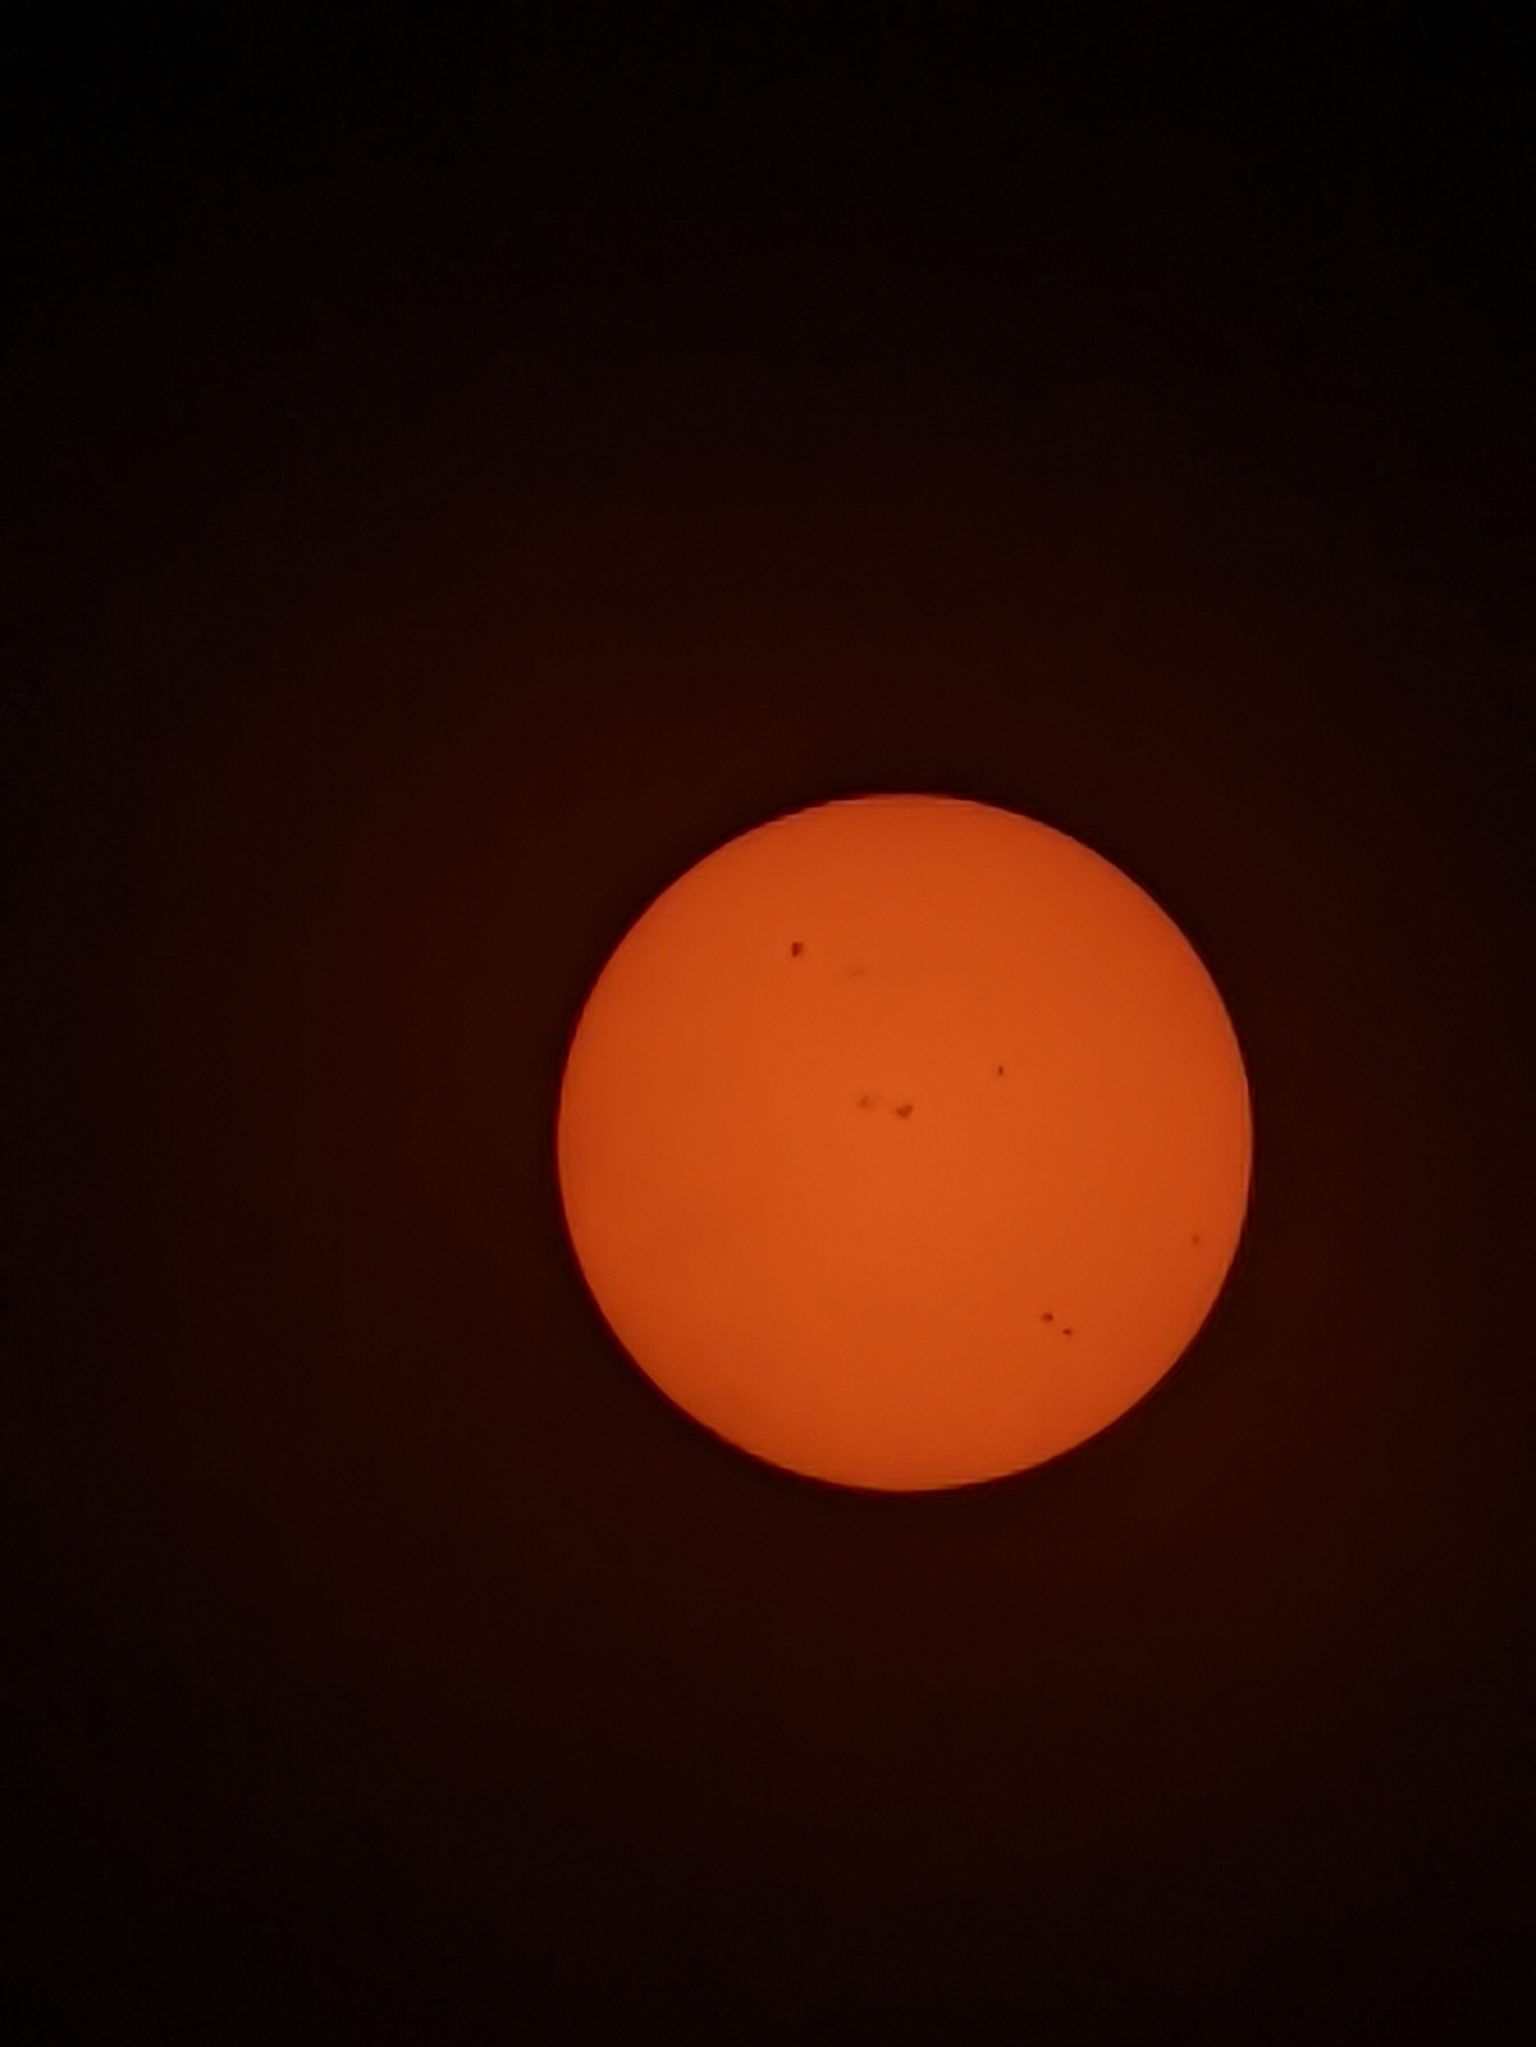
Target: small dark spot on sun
[[868, 1101], [1066, 1332], [1047, 1316], [855, 972], [1195, 1237], [796, 947], [999, 1073], [904, 1108]]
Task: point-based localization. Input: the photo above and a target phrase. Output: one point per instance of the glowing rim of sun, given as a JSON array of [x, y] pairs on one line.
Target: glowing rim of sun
[[654, 1309]]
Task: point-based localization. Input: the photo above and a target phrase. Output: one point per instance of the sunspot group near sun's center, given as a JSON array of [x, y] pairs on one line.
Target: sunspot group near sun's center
[[904, 1142]]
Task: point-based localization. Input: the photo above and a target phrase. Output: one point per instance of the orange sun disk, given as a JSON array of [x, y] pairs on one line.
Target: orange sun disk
[[904, 1142]]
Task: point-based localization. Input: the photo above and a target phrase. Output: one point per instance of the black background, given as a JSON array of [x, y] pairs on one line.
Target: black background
[[458, 475]]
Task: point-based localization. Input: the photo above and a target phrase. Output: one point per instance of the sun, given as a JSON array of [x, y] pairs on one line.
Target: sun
[[904, 1142]]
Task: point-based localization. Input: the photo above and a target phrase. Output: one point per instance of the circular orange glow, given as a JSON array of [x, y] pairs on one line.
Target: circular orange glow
[[904, 1142]]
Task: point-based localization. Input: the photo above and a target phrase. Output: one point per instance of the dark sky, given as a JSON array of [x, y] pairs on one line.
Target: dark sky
[[456, 477]]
